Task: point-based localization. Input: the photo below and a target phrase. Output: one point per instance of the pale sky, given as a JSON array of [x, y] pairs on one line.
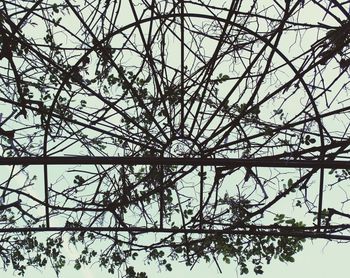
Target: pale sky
[[320, 258]]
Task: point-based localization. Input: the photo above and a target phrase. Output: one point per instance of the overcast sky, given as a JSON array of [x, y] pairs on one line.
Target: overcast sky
[[320, 259]]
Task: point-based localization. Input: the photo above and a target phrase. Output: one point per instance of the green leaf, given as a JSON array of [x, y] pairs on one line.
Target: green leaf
[[290, 221], [77, 264], [83, 103], [168, 267], [55, 8]]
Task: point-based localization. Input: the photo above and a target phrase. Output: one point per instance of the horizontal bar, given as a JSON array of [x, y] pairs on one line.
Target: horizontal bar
[[232, 231], [227, 162]]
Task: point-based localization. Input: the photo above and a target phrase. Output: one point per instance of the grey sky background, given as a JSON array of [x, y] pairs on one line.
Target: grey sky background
[[320, 258]]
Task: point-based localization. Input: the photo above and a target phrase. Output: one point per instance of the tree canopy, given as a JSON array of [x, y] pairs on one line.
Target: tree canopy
[[220, 126]]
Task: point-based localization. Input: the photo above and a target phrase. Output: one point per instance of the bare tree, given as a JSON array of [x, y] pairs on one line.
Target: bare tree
[[221, 126]]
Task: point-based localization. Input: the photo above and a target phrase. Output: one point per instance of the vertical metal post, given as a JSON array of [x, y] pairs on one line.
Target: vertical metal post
[[182, 124], [161, 199], [320, 200], [46, 184], [201, 198]]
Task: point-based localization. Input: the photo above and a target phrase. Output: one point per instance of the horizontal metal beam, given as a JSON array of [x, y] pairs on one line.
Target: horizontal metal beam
[[226, 162], [232, 231]]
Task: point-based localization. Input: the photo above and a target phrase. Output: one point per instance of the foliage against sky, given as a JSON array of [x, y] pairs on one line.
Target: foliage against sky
[[162, 79]]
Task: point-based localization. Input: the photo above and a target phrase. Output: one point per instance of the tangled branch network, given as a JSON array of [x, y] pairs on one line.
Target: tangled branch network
[[211, 123]]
